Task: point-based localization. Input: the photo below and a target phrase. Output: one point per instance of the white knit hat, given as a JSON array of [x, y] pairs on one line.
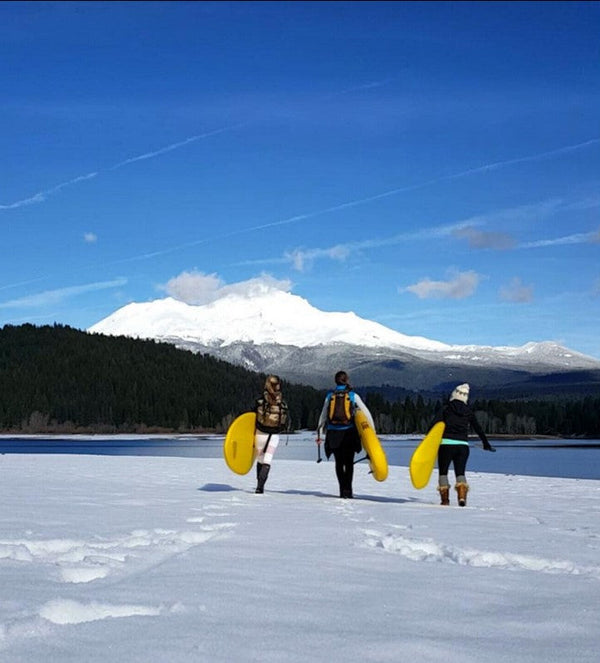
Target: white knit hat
[[460, 393]]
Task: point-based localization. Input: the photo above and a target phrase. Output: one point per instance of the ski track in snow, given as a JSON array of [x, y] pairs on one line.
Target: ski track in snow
[[75, 561], [80, 561], [428, 550], [96, 560]]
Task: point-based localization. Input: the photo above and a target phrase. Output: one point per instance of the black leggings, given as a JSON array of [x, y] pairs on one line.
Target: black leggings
[[344, 467], [457, 454], [343, 444]]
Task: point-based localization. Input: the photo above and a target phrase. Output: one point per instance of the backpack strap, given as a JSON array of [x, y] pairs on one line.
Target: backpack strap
[[266, 444]]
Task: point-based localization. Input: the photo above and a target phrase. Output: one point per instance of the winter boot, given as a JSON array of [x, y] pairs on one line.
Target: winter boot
[[462, 489], [262, 477], [444, 492]]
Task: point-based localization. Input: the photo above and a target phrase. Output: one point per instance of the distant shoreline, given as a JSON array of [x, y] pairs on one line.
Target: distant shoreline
[[160, 433]]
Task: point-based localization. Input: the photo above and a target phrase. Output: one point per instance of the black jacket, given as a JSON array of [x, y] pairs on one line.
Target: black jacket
[[458, 416]]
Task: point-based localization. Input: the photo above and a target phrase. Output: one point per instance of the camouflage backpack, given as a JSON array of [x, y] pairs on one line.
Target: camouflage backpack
[[271, 409]]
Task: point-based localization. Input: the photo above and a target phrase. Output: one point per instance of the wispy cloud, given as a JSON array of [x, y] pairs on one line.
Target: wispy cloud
[[53, 297], [301, 258], [525, 214], [468, 229], [197, 288], [90, 238], [481, 239], [43, 195], [460, 285], [517, 292]]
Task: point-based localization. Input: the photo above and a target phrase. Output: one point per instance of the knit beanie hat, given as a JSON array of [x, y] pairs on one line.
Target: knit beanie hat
[[460, 393]]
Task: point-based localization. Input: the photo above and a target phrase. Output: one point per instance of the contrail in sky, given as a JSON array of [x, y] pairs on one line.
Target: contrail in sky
[[20, 283], [464, 173], [341, 251], [42, 195], [369, 199], [174, 146], [421, 185], [577, 238], [56, 296], [534, 157], [364, 86]]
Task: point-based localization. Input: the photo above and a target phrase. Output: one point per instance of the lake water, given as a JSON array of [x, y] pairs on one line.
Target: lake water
[[578, 459]]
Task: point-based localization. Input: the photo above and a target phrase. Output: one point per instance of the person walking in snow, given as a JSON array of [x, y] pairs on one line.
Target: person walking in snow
[[341, 436], [271, 419], [454, 449]]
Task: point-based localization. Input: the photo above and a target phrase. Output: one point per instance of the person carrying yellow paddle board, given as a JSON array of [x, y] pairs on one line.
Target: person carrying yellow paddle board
[[341, 437], [271, 419], [454, 448]]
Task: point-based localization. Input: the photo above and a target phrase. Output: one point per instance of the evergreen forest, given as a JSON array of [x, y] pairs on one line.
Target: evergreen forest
[[57, 379]]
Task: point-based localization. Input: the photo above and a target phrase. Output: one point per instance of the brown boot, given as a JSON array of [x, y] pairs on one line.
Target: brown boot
[[444, 492], [461, 490]]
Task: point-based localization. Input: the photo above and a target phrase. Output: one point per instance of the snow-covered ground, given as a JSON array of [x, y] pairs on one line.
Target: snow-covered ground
[[158, 559]]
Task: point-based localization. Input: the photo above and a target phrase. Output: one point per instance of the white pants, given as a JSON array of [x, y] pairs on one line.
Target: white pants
[[260, 441]]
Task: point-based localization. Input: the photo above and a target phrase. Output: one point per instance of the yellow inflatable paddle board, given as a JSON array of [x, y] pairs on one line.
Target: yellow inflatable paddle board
[[238, 447], [424, 456], [372, 446]]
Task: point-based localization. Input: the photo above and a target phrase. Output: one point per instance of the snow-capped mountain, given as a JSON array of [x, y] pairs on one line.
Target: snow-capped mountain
[[272, 317], [273, 330]]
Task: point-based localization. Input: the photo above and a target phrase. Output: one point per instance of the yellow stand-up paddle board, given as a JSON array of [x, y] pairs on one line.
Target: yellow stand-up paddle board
[[238, 447], [372, 446], [424, 456]]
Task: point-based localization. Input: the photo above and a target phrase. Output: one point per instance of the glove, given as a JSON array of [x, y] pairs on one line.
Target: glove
[[487, 446]]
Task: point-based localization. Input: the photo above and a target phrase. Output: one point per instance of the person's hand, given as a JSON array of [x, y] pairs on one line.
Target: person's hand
[[488, 447], [318, 440]]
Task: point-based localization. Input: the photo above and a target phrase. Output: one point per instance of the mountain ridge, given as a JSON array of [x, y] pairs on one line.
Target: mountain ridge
[[273, 330]]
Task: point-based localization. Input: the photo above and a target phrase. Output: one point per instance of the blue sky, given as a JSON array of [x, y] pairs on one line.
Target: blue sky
[[431, 166]]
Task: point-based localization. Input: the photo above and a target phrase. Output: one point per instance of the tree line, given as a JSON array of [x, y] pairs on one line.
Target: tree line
[[57, 379], [555, 417]]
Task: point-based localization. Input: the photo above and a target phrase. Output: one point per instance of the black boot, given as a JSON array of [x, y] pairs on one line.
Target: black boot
[[258, 467], [263, 473]]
